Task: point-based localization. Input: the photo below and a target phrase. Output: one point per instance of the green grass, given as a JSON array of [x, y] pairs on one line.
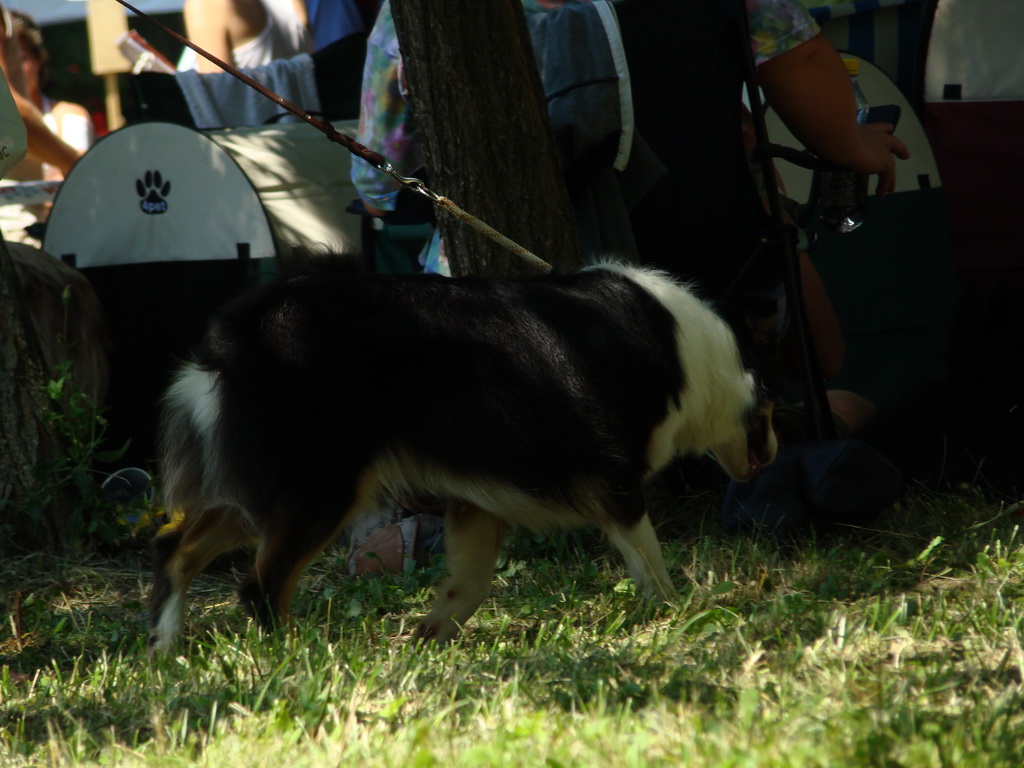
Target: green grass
[[894, 647]]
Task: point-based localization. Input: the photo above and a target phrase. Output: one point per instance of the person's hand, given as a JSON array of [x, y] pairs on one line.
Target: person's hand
[[809, 88], [880, 150]]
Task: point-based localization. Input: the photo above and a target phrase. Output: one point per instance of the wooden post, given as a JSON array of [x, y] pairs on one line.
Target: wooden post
[[106, 22]]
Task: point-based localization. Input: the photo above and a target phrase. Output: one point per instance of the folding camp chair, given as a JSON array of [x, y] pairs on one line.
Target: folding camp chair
[[826, 482]]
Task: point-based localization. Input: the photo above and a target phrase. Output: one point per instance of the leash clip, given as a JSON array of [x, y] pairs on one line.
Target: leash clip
[[411, 183]]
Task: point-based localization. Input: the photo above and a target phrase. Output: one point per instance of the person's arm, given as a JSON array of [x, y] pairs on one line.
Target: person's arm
[[302, 12], [809, 88], [43, 144], [207, 25]]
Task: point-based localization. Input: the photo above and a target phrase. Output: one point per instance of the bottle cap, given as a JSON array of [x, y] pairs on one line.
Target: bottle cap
[[852, 66]]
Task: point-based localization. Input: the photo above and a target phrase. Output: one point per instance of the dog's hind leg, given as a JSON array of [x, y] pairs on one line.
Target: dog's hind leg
[[642, 552], [287, 546], [179, 555], [294, 533], [472, 543]]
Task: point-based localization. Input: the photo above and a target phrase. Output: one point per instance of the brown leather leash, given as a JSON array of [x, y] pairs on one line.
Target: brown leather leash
[[375, 159]]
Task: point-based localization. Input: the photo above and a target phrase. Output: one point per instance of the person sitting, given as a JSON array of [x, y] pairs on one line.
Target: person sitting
[[44, 145], [706, 203], [70, 121]]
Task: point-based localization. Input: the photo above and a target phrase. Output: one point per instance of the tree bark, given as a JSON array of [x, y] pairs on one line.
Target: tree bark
[[26, 439], [487, 140]]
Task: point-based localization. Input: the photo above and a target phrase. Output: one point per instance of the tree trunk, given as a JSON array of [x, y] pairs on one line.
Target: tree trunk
[[26, 439], [487, 141]]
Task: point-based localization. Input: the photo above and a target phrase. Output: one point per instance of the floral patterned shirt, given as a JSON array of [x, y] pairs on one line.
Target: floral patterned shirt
[[777, 26]]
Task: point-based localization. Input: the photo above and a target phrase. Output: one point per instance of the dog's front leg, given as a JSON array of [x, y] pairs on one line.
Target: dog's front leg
[[472, 542], [640, 548]]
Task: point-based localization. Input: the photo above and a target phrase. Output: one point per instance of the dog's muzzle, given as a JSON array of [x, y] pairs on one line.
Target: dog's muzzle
[[761, 442]]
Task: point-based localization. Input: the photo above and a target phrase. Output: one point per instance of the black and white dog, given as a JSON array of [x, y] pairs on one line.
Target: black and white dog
[[542, 402]]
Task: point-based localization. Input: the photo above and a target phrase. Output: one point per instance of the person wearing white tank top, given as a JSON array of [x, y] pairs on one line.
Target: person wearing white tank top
[[245, 33]]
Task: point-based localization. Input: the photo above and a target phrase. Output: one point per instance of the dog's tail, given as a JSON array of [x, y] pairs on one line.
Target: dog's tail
[[186, 446]]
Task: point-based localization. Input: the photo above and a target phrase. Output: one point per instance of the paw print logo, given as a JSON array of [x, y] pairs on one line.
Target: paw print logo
[[153, 188]]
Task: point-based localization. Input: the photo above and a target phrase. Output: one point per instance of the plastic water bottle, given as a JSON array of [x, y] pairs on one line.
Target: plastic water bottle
[[844, 194]]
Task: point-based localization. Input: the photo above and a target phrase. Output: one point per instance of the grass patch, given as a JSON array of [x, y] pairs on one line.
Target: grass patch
[[893, 647]]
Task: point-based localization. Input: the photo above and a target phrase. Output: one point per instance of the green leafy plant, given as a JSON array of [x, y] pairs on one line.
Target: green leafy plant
[[80, 426]]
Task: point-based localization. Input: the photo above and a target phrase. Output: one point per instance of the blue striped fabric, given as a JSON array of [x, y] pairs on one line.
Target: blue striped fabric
[[885, 32], [910, 36], [862, 33], [826, 12]]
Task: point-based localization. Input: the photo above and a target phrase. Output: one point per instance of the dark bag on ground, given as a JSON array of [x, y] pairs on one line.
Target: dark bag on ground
[[823, 485]]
